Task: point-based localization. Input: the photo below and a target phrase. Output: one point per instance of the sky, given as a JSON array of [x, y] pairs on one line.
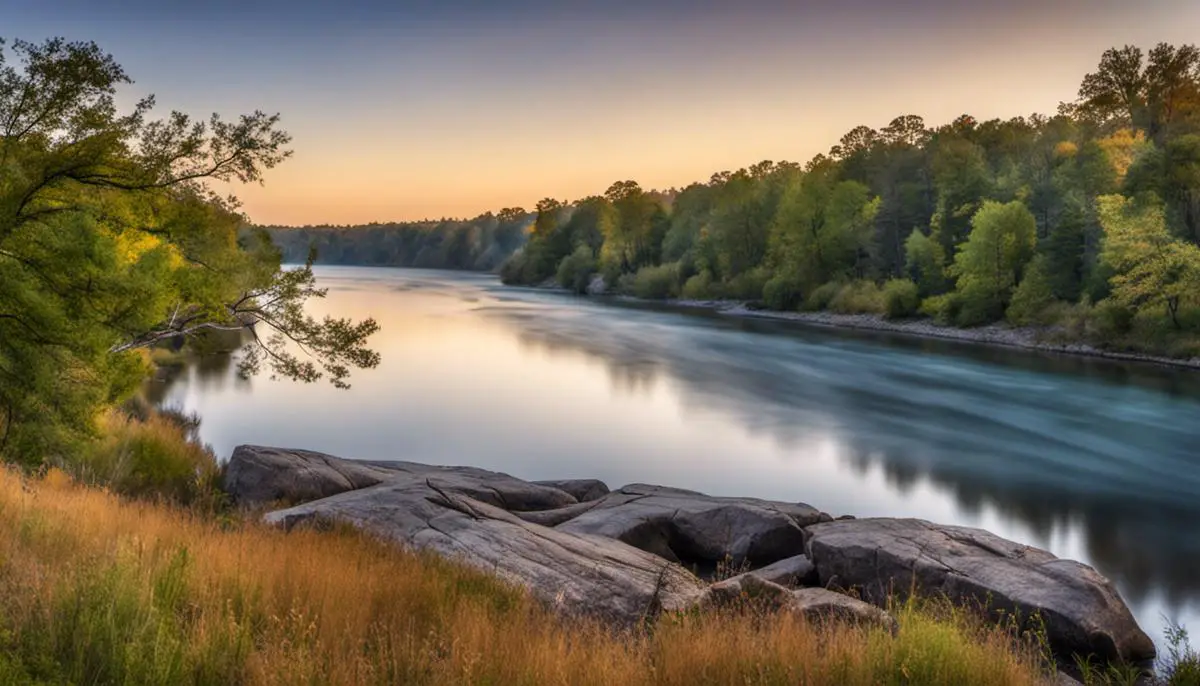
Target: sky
[[409, 110]]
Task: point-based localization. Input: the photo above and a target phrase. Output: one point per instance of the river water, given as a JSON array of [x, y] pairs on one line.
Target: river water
[[1093, 460]]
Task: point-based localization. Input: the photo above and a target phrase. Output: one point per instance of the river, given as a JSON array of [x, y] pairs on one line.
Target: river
[[1093, 460]]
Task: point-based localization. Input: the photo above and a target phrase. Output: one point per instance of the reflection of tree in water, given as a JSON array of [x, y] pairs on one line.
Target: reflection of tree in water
[[211, 373], [978, 432]]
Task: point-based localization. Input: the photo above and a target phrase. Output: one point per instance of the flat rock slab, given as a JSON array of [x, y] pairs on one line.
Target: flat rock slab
[[693, 528], [258, 475], [1082, 611], [578, 574]]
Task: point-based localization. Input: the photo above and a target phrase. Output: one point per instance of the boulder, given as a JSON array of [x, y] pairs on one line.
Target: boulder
[[793, 571], [696, 529], [816, 605], [583, 490], [576, 573], [820, 605], [258, 475], [1082, 611]]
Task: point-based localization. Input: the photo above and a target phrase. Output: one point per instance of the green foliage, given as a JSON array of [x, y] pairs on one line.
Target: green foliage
[[858, 297], [158, 456], [1151, 268], [784, 291], [699, 287], [944, 309], [111, 242], [925, 262], [822, 231], [901, 299], [576, 270], [1034, 294], [822, 296], [990, 263], [1181, 665], [657, 283]]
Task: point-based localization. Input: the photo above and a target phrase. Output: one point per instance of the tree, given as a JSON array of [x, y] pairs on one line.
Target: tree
[[1150, 266], [991, 262], [110, 242], [823, 229], [1153, 96], [925, 263]]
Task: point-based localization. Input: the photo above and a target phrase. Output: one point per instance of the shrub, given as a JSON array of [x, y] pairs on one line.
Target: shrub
[[747, 285], [820, 298], [783, 292], [1110, 320], [943, 308], [1033, 295], [512, 272], [901, 298], [858, 297], [575, 271], [657, 283], [700, 287], [158, 456]]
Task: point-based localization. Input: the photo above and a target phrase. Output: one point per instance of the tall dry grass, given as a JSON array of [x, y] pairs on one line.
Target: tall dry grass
[[98, 589]]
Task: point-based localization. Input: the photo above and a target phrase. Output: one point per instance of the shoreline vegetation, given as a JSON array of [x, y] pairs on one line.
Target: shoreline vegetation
[[996, 335]]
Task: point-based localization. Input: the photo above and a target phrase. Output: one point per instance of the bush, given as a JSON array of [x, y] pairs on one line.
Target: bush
[[700, 287], [901, 298], [657, 283], [1033, 295], [858, 297], [157, 457], [820, 298], [512, 272], [1110, 320], [575, 271], [943, 308], [747, 285], [783, 292]]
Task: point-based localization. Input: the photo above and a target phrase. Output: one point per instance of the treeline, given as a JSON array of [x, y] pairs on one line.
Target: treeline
[[1086, 222], [481, 244]]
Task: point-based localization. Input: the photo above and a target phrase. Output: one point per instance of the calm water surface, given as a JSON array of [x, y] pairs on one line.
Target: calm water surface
[[1095, 461]]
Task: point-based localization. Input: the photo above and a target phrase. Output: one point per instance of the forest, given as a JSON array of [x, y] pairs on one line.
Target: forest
[[479, 244], [1085, 223]]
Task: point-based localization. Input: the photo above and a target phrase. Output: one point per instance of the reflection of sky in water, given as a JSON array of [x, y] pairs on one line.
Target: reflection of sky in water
[[1094, 461]]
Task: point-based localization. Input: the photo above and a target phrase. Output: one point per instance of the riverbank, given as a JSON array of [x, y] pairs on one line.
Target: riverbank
[[994, 335], [101, 589]]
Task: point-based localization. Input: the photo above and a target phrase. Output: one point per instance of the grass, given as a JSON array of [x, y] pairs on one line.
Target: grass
[[100, 589]]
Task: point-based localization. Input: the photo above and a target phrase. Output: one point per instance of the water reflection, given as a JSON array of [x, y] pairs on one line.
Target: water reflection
[[1054, 443], [1096, 461]]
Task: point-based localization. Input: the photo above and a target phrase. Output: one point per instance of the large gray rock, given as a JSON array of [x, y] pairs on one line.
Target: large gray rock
[[1082, 611], [258, 475], [696, 529], [820, 605], [584, 490], [579, 574]]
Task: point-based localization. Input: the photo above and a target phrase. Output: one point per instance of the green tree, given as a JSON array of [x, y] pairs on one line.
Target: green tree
[[991, 262], [823, 229], [111, 242], [1149, 265], [925, 262]]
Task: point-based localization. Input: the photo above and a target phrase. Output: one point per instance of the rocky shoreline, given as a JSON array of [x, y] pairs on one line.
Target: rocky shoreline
[[626, 555], [996, 335]]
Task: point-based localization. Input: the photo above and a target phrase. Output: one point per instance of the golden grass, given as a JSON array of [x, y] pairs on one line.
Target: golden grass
[[95, 588]]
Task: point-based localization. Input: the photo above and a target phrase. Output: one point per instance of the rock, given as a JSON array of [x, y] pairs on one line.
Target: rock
[[820, 605], [1082, 611], [745, 588], [597, 286], [583, 490], [261, 475], [578, 574], [696, 529], [797, 570], [816, 605]]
